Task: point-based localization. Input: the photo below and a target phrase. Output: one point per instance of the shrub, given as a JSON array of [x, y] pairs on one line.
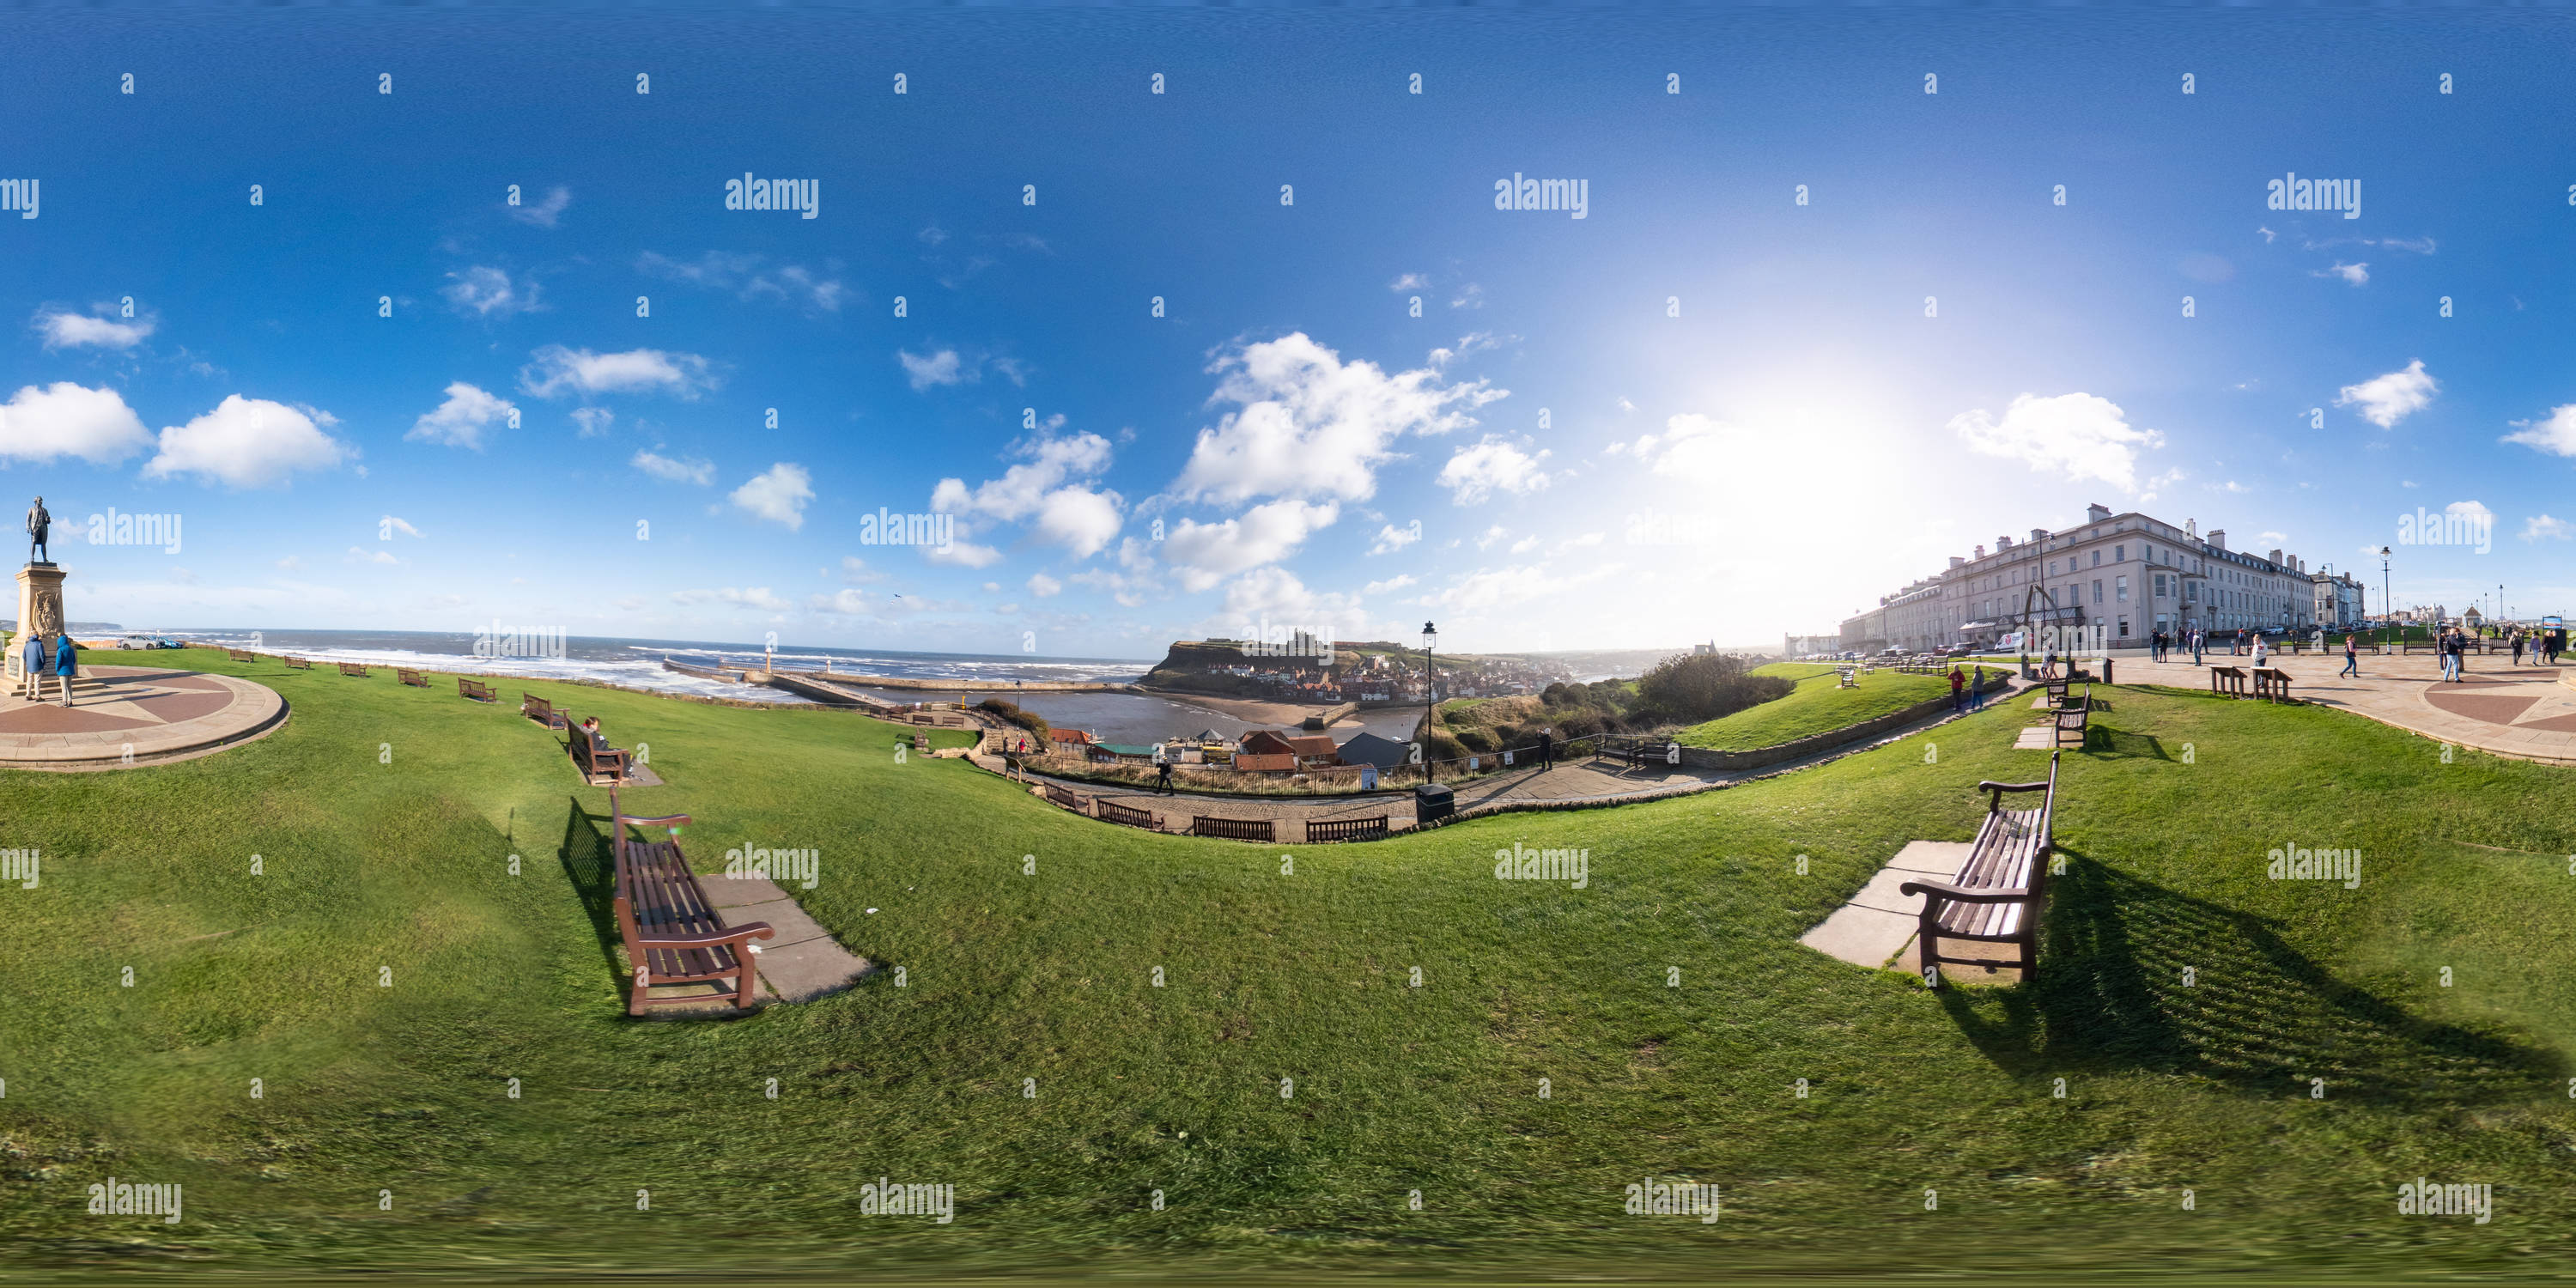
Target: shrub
[[1011, 713], [1689, 688]]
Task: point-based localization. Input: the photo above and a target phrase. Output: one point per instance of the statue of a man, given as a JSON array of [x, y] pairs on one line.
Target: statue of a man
[[37, 523]]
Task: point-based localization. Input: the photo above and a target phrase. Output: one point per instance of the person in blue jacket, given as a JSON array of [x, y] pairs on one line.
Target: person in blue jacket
[[31, 660], [66, 665]]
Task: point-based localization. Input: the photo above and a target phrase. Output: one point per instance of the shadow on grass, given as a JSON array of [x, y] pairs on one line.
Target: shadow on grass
[[586, 863], [2107, 743], [2258, 1015]]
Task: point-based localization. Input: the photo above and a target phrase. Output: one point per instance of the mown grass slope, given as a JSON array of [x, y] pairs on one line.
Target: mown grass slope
[[1287, 1087]]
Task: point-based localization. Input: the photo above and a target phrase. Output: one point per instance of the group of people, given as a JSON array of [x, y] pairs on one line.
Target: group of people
[[2162, 643], [36, 661]]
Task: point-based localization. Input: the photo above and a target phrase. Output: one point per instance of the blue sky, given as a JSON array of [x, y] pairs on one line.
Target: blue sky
[[1586, 468]]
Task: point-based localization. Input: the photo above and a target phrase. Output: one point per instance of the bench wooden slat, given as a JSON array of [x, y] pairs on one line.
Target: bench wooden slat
[[1347, 829], [469, 687], [1113, 812], [673, 934], [2000, 888], [1232, 829]]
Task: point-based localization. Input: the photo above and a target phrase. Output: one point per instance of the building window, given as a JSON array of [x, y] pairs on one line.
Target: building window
[[2122, 589], [2119, 554], [2097, 590], [2097, 558]]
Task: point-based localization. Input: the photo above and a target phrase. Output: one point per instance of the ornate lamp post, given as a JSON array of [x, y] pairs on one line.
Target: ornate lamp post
[[1430, 706], [2387, 607]]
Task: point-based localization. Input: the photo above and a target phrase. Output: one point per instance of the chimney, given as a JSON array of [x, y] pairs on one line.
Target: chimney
[[1957, 562], [1981, 552], [2003, 543], [2277, 561], [2191, 527], [2218, 538], [2096, 513], [2038, 535]]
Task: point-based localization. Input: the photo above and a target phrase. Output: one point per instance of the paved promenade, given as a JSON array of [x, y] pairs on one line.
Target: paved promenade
[[2520, 711]]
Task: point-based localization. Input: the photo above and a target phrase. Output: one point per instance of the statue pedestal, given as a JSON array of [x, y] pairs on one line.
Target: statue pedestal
[[40, 609]]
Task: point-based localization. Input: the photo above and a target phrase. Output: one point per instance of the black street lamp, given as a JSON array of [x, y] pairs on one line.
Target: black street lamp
[[2387, 607], [1430, 637]]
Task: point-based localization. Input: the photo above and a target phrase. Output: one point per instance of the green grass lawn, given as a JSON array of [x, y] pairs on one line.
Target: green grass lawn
[[1816, 706], [385, 819]]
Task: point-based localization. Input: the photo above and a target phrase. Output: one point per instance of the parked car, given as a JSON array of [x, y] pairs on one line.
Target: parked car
[[146, 641]]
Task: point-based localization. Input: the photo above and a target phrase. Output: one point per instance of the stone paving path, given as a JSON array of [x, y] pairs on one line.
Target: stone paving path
[[149, 713]]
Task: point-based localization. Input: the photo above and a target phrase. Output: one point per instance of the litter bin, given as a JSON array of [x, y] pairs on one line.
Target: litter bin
[[2106, 671], [1432, 803]]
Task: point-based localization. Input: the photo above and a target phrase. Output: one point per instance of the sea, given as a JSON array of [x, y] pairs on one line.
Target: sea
[[637, 664]]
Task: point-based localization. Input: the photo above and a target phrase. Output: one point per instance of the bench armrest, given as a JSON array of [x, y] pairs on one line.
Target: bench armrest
[[1991, 785], [666, 820], [748, 930], [1962, 894]]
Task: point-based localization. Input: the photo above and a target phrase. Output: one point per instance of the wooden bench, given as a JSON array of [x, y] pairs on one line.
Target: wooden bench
[[2272, 683], [1070, 800], [538, 709], [1347, 829], [358, 669], [242, 655], [411, 677], [2073, 716], [296, 664], [469, 687], [673, 934], [1999, 891], [1113, 812], [2057, 692], [2227, 680], [1231, 829], [592, 755]]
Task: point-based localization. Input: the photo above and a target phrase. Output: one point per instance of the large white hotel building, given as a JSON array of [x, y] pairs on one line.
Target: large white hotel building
[[2129, 575]]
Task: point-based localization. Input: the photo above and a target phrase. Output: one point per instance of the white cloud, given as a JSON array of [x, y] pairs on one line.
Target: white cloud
[[1045, 486], [1275, 595], [594, 421], [941, 368], [64, 329], [485, 291], [1042, 585], [1490, 536], [677, 469], [1392, 538], [1491, 466], [2356, 274], [1388, 586], [962, 554], [746, 277], [1080, 520], [247, 443], [856, 572], [461, 420], [559, 370], [849, 603], [1525, 544], [2386, 400], [2541, 525], [779, 495], [1204, 554], [291, 562], [2554, 434], [64, 419], [391, 523], [546, 213], [2077, 435], [1309, 425], [360, 554], [751, 597]]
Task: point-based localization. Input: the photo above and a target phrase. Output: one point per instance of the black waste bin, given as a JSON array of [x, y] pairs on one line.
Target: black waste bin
[[1432, 803]]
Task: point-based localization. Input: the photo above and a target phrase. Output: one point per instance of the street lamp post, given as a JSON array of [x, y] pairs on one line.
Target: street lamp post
[[2387, 607], [1430, 637]]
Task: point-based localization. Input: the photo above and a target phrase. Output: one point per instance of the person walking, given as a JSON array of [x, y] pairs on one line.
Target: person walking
[[32, 660], [1163, 778], [2196, 637], [66, 665], [2258, 651], [2351, 659], [1958, 682], [2517, 649], [1546, 751], [1977, 690]]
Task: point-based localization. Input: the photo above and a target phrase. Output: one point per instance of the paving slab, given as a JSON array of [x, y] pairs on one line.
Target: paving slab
[[799, 963], [2036, 738], [1879, 921]]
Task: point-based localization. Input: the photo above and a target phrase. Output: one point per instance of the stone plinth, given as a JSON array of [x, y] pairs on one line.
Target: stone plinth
[[40, 609]]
